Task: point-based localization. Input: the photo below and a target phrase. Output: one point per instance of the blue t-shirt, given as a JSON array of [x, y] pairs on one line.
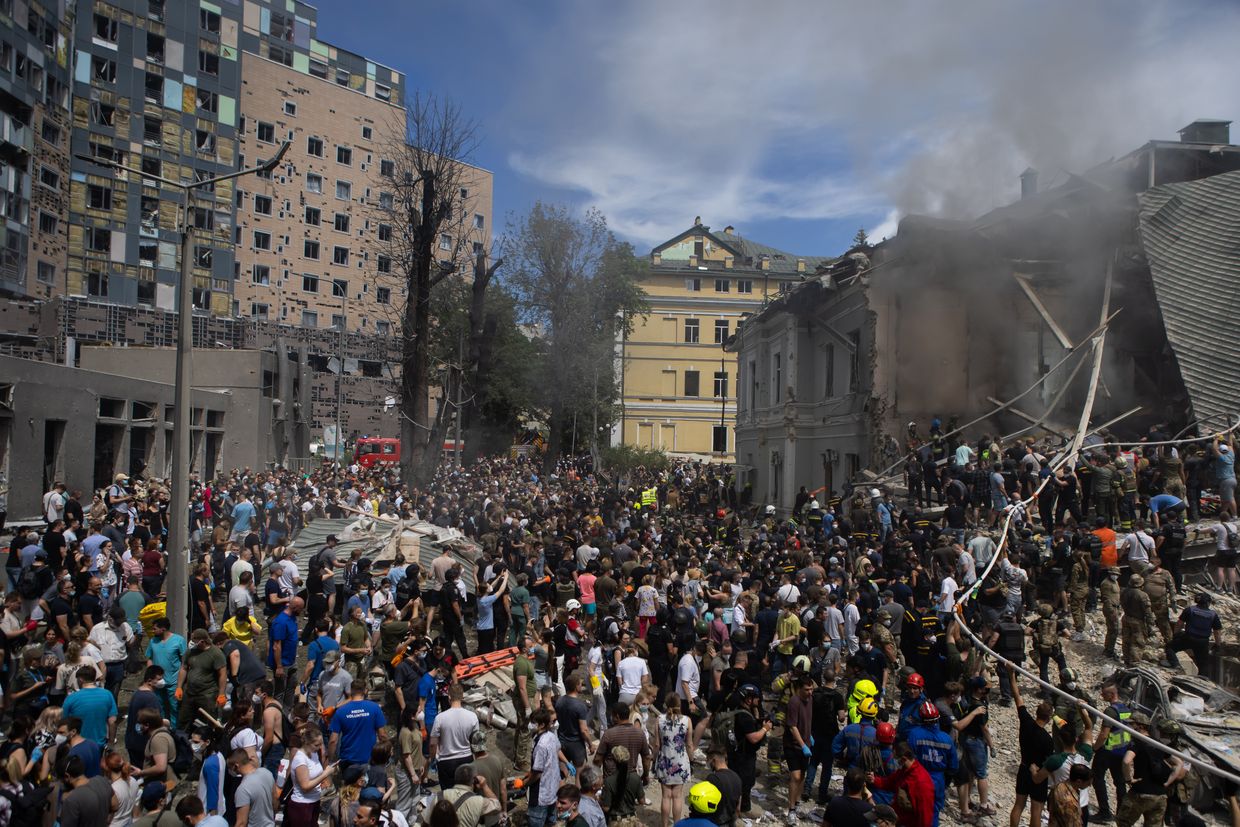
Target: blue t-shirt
[[426, 689], [242, 515], [1225, 465], [486, 612], [358, 724], [319, 647], [283, 629], [1160, 501], [167, 654], [90, 753], [94, 706], [695, 821]]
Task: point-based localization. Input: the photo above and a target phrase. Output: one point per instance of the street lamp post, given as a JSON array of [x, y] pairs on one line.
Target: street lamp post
[[177, 584]]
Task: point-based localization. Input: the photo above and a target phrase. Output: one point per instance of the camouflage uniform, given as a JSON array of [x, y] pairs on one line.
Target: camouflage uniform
[[1159, 585], [1102, 498], [1138, 619], [1110, 610], [1078, 588]]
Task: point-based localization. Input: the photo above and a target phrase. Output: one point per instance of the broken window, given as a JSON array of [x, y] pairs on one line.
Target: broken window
[[385, 231], [261, 274], [155, 48], [201, 298], [342, 77], [154, 89], [97, 284], [152, 131], [385, 200], [150, 214], [281, 27], [98, 240], [280, 55], [151, 166], [103, 70], [105, 28], [382, 328], [49, 178], [204, 140], [318, 68], [383, 295], [203, 256], [854, 361], [102, 114], [148, 252], [207, 101], [259, 311], [98, 197], [829, 379], [208, 63], [209, 20], [383, 93]]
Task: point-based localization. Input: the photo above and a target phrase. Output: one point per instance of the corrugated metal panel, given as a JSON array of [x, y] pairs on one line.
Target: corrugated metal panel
[[1191, 235]]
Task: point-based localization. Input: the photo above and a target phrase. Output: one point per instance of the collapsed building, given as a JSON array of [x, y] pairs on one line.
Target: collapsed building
[[951, 319]]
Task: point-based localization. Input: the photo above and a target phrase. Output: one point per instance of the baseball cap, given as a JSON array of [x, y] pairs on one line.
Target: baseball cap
[[370, 794], [331, 657], [977, 682], [881, 812], [152, 794], [200, 635], [477, 740]]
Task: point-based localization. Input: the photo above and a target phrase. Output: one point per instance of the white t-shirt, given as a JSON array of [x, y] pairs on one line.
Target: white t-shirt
[[788, 593], [288, 575], [246, 739], [453, 728], [947, 595], [126, 792], [1139, 546], [630, 672], [313, 767], [687, 672], [738, 617], [835, 624]]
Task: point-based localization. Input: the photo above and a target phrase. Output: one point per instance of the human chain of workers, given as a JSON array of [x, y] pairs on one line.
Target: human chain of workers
[[669, 629]]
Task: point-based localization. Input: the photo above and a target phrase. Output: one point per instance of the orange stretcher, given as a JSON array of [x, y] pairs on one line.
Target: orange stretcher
[[480, 664]]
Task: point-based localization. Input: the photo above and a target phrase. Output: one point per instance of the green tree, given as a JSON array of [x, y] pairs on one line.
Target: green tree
[[574, 280], [861, 239]]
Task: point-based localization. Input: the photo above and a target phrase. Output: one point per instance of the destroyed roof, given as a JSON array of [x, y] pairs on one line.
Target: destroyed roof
[[1191, 235], [748, 254]]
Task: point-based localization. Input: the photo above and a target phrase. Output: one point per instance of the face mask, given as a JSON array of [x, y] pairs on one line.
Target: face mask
[[563, 815], [159, 684], [256, 698], [1071, 686], [196, 747], [363, 592], [645, 707], [60, 739]]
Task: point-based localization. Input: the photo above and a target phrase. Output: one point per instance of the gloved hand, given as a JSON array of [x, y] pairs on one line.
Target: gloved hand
[[805, 750], [811, 740], [220, 700], [572, 770], [180, 693], [31, 625], [36, 755]]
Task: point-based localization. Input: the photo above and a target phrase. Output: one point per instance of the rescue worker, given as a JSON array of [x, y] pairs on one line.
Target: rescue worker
[[1110, 592], [1045, 633], [1151, 772], [850, 743], [1197, 624], [1138, 619], [1169, 544], [936, 751], [1159, 585], [863, 690], [1109, 747], [912, 697], [1102, 498], [1126, 476], [782, 686], [886, 734], [1078, 589]]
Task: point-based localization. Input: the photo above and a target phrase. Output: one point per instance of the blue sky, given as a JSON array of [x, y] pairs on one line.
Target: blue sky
[[799, 121]]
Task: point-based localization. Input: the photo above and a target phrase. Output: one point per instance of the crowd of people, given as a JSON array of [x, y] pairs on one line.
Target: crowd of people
[[653, 628]]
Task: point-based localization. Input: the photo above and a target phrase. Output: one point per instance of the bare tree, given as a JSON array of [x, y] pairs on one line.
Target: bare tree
[[429, 211]]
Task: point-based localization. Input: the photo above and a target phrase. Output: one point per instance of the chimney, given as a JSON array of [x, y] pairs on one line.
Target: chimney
[[728, 229], [800, 265], [1028, 183], [1206, 132]]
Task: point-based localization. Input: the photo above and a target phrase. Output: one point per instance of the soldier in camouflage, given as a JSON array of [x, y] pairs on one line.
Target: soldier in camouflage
[[1110, 593], [1138, 619], [1159, 585]]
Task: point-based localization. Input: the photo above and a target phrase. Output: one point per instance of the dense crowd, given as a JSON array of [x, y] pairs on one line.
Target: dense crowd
[[663, 629]]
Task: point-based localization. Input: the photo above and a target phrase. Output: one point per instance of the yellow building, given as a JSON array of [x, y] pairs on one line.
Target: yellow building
[[677, 391]]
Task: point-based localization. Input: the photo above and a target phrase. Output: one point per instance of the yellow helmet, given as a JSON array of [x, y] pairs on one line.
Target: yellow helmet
[[868, 708], [704, 797], [865, 689]]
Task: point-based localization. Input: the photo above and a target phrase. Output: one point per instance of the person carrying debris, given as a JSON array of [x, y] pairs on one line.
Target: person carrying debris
[[1138, 619]]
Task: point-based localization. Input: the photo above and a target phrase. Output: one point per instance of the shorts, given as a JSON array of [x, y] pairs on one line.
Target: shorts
[[591, 608], [797, 760], [979, 757], [1227, 489], [1225, 559], [1025, 785], [998, 502]]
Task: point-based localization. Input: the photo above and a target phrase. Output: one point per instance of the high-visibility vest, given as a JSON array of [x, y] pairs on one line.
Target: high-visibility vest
[[1119, 739], [650, 497]]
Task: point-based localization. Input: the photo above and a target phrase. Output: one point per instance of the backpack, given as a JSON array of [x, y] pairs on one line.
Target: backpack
[[723, 729], [28, 583], [404, 591], [286, 723], [184, 757], [1233, 543], [28, 804], [1046, 636]]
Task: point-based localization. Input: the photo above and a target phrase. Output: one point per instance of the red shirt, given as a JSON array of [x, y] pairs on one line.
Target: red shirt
[[916, 782]]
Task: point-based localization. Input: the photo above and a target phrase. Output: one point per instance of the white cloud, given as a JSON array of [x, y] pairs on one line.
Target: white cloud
[[656, 112]]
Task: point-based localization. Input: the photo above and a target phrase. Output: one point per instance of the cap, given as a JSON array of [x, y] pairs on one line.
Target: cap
[[370, 794], [977, 682], [1139, 718], [119, 477], [477, 740], [886, 593], [1223, 447], [199, 635], [332, 538], [152, 794], [881, 813], [874, 492], [41, 554], [331, 657], [354, 773]]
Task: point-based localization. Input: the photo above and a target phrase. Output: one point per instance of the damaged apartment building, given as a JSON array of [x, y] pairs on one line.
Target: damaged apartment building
[[951, 319]]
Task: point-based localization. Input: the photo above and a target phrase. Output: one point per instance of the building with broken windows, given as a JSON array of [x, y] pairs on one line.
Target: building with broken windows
[[952, 319]]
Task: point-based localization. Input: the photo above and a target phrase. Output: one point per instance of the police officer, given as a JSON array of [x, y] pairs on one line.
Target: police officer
[[1138, 619], [936, 751], [1110, 592], [1170, 547], [1159, 586], [1197, 624], [1109, 748]]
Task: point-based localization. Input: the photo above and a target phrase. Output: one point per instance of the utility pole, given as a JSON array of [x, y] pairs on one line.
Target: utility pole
[[344, 323], [723, 401], [460, 387], [178, 523]]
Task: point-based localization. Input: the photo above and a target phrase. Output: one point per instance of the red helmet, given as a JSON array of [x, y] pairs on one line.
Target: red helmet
[[886, 733], [928, 712], [915, 681]]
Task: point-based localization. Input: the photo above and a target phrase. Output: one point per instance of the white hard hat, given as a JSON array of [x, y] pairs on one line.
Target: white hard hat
[[874, 492], [770, 509], [813, 504], [572, 604]]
